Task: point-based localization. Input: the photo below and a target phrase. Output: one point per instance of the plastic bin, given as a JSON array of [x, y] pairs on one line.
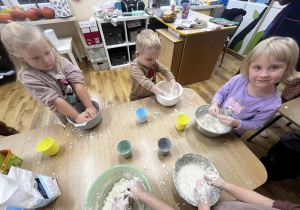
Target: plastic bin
[[118, 58], [133, 32], [112, 34], [96, 53], [100, 64]]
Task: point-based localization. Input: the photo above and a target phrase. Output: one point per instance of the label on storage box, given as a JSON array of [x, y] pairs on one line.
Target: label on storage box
[[87, 24]]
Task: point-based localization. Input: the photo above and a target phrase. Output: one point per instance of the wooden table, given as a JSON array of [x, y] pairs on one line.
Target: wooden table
[[289, 110], [199, 54], [86, 154], [24, 144]]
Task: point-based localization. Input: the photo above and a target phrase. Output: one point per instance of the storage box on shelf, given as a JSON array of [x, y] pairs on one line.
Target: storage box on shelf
[[134, 27], [100, 64], [96, 51], [113, 34], [118, 56], [125, 50], [90, 32], [133, 32]]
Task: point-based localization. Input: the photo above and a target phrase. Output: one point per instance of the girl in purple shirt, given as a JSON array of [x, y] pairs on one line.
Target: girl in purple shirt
[[49, 78], [251, 98]]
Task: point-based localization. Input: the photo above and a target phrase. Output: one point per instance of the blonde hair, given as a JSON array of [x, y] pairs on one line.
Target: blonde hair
[[18, 38], [285, 49], [147, 39]]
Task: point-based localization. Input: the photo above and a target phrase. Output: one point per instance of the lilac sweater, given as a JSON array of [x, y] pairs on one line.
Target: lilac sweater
[[253, 112], [45, 86]]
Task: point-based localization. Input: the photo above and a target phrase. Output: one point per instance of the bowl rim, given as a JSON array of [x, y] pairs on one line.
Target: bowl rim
[[94, 187], [70, 120], [187, 154], [204, 105], [170, 99]]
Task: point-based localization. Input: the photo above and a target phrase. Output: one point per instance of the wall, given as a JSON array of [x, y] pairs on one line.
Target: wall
[[82, 9]]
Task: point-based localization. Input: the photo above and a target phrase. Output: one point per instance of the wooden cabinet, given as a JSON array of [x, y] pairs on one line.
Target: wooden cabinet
[[171, 50]]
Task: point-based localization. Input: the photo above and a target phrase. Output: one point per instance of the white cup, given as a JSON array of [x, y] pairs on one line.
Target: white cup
[[49, 33]]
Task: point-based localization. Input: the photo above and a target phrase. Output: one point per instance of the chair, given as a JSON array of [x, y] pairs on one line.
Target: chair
[[238, 19], [66, 45]]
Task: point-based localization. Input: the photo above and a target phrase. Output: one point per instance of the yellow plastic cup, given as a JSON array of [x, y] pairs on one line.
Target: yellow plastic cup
[[47, 146], [181, 121]]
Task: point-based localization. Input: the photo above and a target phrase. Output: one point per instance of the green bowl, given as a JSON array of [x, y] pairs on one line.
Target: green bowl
[[103, 184]]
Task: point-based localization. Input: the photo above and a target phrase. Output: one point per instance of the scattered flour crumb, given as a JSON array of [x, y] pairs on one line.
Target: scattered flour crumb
[[145, 168], [81, 159], [38, 163], [29, 138], [91, 135], [53, 174], [286, 107], [154, 150], [164, 165], [68, 134], [167, 173], [163, 183], [184, 204]]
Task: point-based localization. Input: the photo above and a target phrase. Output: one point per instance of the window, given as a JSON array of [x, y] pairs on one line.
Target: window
[[26, 2]]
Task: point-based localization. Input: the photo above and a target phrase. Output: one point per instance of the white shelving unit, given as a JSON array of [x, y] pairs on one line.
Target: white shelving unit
[[126, 43]]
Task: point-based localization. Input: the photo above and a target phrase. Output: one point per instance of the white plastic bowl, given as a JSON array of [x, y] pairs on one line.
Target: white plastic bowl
[[166, 86]]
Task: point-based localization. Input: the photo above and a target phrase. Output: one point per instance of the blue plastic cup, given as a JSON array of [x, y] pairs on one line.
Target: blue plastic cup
[[141, 115]]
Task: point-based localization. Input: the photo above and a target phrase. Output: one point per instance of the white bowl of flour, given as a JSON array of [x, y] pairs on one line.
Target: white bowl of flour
[[186, 172], [173, 97]]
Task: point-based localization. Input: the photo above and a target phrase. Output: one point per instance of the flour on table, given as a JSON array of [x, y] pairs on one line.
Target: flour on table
[[211, 123], [120, 190]]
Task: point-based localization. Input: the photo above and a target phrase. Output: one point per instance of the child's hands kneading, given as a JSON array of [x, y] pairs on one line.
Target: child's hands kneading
[[214, 109], [213, 179], [136, 189], [201, 193], [81, 118], [228, 121], [91, 111]]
